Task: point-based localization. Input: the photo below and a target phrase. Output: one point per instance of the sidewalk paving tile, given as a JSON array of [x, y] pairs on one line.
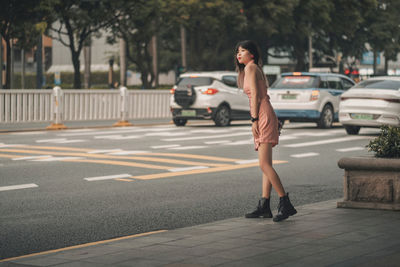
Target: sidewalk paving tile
[[319, 235]]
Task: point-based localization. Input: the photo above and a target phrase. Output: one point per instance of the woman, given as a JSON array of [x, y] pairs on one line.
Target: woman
[[265, 129]]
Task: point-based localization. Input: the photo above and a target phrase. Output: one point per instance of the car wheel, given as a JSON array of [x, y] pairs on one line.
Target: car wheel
[[180, 122], [222, 116], [326, 119], [353, 130]]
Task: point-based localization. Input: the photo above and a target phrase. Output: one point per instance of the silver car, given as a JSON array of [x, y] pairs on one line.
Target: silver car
[[371, 103]]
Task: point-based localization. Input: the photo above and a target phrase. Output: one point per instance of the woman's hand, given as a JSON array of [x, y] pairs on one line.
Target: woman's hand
[[255, 129]]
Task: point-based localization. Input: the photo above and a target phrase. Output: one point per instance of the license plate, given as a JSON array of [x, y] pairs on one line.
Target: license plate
[[289, 96], [188, 113], [358, 116]]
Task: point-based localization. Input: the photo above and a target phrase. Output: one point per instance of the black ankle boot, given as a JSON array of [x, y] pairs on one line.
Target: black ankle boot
[[263, 210], [285, 209]]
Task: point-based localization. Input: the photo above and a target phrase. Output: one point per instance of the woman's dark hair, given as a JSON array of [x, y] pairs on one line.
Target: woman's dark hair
[[253, 48]]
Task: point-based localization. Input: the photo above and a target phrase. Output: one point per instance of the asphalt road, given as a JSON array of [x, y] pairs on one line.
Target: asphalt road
[[64, 188]]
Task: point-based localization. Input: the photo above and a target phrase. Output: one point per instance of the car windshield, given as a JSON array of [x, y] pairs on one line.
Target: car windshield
[[295, 82], [195, 81], [379, 84]]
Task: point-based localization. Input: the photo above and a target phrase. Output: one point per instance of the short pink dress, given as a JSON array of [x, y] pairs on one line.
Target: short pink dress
[[268, 122]]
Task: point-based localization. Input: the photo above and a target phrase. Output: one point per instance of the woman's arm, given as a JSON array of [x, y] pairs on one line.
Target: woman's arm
[[251, 78]]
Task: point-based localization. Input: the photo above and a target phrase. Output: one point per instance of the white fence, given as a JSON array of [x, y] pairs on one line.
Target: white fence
[[79, 105]]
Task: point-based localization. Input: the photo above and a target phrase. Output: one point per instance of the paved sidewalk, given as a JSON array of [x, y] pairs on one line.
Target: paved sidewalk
[[319, 235]]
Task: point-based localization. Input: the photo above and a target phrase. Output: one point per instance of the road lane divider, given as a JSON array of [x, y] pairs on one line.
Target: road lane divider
[[188, 168], [33, 157], [305, 155], [141, 158], [201, 171], [83, 245], [16, 187], [328, 141], [108, 177], [348, 149]]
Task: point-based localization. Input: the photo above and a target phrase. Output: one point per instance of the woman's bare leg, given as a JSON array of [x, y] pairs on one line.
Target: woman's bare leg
[[266, 187], [270, 177]]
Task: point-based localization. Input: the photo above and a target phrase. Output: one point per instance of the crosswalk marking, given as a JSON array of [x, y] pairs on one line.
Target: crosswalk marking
[[165, 146], [206, 137], [328, 141], [108, 177], [305, 155], [357, 148], [187, 147], [188, 168], [15, 187]]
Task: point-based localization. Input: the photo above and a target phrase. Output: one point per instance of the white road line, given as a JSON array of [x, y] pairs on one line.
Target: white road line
[[105, 151], [328, 141], [187, 147], [188, 168], [131, 152], [247, 161], [165, 146], [33, 157], [109, 177], [286, 137], [210, 131], [29, 133], [15, 187], [57, 158], [126, 130], [69, 141], [50, 140], [11, 145], [118, 137], [217, 142], [242, 142], [305, 155], [356, 148], [206, 137], [167, 134]]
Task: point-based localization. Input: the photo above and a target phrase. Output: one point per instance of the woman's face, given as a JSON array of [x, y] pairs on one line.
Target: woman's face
[[244, 56]]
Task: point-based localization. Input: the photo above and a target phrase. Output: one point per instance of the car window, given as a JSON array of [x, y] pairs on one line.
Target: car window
[[334, 83], [195, 81], [295, 82], [347, 84], [230, 80], [379, 84]]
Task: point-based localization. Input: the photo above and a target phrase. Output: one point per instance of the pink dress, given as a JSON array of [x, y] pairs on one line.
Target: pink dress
[[268, 122]]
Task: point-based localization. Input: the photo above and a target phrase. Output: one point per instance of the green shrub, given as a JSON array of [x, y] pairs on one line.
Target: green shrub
[[387, 144]]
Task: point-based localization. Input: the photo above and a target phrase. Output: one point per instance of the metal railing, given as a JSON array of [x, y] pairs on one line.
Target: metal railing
[[80, 105]]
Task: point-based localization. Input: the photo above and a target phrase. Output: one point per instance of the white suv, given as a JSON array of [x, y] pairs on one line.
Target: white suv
[[308, 97], [208, 95]]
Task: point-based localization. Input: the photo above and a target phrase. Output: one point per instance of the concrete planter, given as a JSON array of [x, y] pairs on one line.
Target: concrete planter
[[371, 183]]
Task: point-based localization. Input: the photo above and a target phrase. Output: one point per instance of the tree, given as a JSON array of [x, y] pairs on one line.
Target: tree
[[382, 26], [77, 21], [24, 21], [266, 20], [137, 23]]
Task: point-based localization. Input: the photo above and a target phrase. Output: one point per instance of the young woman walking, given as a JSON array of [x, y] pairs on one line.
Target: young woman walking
[[265, 129]]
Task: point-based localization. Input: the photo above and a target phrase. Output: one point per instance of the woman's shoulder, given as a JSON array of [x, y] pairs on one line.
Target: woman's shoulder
[[251, 67]]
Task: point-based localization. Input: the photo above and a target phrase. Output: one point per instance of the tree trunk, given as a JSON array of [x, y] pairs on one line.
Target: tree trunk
[[375, 63], [77, 74], [386, 65], [300, 56]]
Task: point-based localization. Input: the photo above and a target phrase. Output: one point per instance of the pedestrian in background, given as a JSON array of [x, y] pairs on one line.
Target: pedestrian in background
[[264, 127]]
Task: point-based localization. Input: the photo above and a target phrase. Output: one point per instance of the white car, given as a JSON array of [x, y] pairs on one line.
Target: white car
[[208, 95], [308, 97], [371, 103]]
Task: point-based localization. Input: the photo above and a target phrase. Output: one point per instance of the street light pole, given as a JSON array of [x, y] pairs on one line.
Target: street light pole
[[183, 46], [310, 56]]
